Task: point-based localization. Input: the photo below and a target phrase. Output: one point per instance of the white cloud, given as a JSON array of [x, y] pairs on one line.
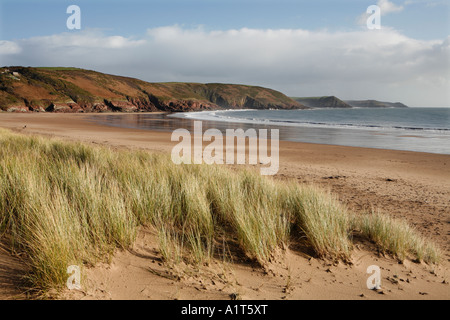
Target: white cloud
[[363, 64], [86, 39], [9, 47], [387, 7]]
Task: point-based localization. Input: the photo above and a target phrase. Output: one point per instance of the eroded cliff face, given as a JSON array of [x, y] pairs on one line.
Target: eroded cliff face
[[228, 96], [71, 90]]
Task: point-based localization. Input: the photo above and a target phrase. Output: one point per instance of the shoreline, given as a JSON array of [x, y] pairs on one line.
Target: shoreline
[[312, 129], [84, 121], [404, 184]]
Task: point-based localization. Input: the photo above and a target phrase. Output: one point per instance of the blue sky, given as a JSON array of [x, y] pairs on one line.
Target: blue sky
[[302, 48], [426, 19]]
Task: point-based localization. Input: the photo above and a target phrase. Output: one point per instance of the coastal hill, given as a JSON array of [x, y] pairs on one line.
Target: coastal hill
[[334, 102], [323, 102], [25, 89], [374, 104]]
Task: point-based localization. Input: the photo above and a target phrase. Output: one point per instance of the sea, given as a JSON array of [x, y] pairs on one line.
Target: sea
[[408, 129]]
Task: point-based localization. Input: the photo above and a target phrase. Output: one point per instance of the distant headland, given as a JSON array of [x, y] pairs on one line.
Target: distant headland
[[334, 102]]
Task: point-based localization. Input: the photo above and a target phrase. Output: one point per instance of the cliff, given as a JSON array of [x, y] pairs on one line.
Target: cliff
[[76, 90], [323, 102]]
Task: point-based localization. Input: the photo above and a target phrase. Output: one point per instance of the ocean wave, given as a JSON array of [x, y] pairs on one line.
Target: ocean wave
[[223, 117]]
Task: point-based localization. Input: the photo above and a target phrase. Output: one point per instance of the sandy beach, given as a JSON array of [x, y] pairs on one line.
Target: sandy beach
[[408, 185]]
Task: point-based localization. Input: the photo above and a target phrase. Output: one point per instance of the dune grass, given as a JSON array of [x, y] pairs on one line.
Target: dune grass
[[66, 203], [396, 237]]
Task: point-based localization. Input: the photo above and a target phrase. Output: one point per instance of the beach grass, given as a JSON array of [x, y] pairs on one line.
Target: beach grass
[[396, 237], [69, 203]]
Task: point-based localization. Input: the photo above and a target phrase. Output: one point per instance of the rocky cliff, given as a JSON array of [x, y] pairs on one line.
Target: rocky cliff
[[76, 90]]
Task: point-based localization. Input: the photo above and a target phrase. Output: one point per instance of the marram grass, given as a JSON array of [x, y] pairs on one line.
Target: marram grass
[[66, 203], [396, 237]]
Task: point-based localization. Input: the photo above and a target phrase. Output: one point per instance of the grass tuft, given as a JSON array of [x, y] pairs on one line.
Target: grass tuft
[[397, 237]]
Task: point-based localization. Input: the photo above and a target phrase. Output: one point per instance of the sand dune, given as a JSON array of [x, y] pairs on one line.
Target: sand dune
[[408, 185]]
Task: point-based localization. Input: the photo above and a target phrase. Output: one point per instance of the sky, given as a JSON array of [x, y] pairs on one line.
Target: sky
[[302, 48]]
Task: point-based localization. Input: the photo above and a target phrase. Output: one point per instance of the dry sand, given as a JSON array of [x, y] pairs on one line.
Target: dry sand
[[410, 185]]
